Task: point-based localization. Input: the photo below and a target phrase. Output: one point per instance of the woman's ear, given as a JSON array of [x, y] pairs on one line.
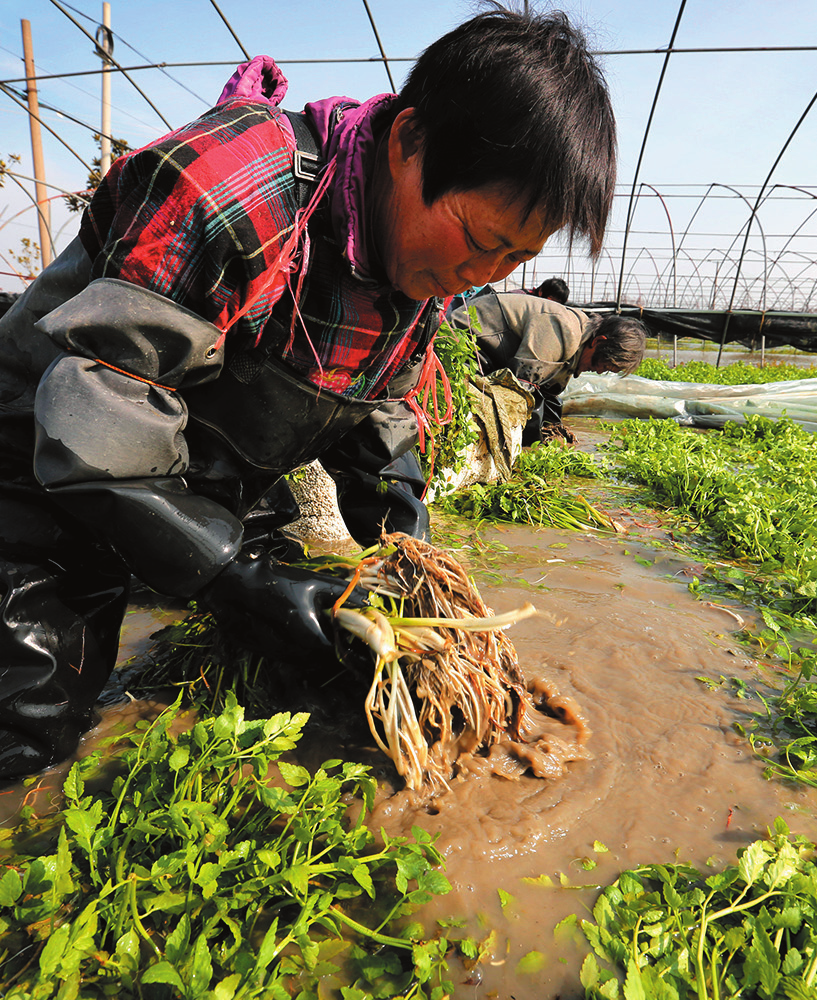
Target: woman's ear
[[405, 141]]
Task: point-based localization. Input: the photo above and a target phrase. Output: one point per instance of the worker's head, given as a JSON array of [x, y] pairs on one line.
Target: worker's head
[[553, 288], [617, 345], [504, 134]]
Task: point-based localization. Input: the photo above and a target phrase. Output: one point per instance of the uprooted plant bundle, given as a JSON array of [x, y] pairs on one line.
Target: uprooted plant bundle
[[446, 679], [446, 694]]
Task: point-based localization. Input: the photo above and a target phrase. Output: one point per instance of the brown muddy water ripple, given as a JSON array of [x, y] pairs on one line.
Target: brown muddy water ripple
[[669, 779]]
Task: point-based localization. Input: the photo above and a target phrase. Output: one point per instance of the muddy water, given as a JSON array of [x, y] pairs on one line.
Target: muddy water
[[669, 777]]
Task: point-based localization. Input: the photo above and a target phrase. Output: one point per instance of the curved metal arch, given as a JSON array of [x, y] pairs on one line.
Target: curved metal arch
[[631, 272], [630, 207], [672, 238], [725, 258], [811, 214], [809, 262], [752, 215], [701, 203], [697, 272], [792, 288], [754, 212]]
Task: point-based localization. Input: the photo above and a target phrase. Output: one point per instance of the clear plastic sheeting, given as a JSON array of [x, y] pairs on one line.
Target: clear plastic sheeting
[[690, 403]]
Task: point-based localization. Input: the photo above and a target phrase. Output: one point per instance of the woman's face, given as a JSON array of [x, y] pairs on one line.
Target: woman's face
[[464, 239]]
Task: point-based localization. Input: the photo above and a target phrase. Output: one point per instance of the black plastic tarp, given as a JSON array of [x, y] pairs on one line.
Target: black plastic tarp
[[745, 326]]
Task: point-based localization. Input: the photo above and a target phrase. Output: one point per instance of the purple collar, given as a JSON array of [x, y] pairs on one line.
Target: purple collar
[[346, 130]]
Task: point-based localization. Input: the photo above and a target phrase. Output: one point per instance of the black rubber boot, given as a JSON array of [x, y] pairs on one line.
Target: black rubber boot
[[388, 500], [378, 476], [62, 605], [547, 409]]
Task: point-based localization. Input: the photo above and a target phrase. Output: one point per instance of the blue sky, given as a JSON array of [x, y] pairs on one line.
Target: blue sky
[[721, 118]]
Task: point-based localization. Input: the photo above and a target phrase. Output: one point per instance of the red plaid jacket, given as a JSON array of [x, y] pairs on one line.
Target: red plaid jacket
[[205, 216]]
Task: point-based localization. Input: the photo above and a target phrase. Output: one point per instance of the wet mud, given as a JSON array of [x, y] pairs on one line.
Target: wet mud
[[623, 643], [669, 777]]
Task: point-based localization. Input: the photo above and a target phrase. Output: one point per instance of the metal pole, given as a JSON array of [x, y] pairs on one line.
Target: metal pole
[[104, 42], [43, 205], [630, 206], [675, 350]]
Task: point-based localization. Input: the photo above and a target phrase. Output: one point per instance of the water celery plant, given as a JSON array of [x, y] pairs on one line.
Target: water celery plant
[[457, 351], [737, 373], [671, 932], [446, 675], [527, 498], [751, 485], [212, 869]]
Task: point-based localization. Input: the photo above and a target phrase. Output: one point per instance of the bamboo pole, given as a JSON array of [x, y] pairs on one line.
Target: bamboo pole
[[104, 39], [43, 206]]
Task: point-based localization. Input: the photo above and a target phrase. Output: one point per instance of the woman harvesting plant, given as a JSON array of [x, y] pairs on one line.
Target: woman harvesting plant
[[251, 292]]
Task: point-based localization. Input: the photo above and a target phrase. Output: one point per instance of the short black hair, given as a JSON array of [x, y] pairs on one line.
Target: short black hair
[[517, 99], [553, 288], [623, 347]]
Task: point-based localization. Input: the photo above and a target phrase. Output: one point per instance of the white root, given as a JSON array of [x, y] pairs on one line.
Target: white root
[[373, 628], [470, 624], [424, 655]]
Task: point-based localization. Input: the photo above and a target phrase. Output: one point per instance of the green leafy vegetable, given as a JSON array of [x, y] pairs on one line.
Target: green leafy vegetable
[[213, 869], [737, 373], [668, 932]]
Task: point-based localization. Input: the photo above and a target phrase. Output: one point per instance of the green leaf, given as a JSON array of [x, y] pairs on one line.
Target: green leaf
[[73, 786], [751, 862], [633, 985], [11, 887], [505, 898], [84, 821], [163, 972], [179, 758], [272, 859], [362, 876], [762, 962], [294, 775], [298, 878], [531, 963], [53, 951], [202, 968], [178, 940], [543, 880], [226, 989], [268, 949]]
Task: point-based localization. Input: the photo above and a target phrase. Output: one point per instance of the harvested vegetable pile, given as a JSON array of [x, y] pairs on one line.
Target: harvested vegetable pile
[[447, 680]]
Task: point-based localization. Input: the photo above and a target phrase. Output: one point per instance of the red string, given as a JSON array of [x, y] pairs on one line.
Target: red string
[[285, 263], [418, 401]]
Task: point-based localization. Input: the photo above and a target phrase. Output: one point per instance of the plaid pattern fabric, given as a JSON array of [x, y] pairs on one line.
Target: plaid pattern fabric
[[202, 217]]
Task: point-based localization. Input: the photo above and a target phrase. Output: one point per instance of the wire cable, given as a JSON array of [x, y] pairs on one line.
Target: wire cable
[[247, 56], [10, 93], [380, 46], [124, 73], [128, 45]]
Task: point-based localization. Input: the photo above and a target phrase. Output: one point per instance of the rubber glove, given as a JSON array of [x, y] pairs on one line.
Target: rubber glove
[[279, 610]]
